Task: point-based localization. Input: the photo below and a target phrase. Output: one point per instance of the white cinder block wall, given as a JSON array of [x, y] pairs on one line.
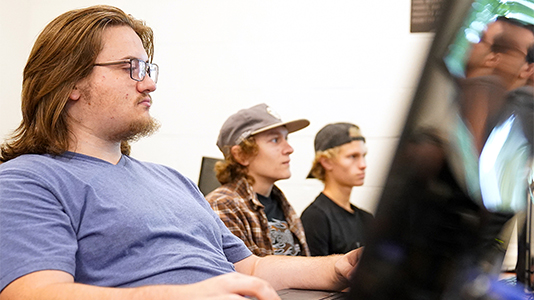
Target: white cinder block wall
[[326, 61]]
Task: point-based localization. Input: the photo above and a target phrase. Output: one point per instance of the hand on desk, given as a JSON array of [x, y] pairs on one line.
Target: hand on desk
[[347, 265], [231, 286]]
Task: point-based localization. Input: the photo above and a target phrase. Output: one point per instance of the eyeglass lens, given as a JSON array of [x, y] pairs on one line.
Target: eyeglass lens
[[140, 68]]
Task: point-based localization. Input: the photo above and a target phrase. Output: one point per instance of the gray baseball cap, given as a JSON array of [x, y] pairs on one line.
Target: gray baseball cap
[[334, 135], [251, 121]]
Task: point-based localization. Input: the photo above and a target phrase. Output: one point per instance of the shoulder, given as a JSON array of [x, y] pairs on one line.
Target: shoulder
[[222, 191], [522, 96], [225, 194], [324, 203], [227, 201], [30, 179], [27, 160], [33, 165], [523, 90], [314, 210]]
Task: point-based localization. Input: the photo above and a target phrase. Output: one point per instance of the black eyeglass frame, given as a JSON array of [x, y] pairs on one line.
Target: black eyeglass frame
[[149, 68]]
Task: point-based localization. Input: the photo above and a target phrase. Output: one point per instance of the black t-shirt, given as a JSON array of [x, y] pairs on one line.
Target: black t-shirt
[[284, 243], [272, 209], [330, 229]]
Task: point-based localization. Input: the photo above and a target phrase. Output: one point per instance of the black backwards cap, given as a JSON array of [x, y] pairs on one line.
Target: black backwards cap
[[334, 135]]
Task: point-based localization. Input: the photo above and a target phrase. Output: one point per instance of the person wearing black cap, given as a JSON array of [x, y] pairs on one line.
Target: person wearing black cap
[[256, 150], [332, 224]]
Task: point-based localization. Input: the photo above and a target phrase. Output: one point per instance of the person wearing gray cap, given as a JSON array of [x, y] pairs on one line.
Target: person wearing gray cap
[[256, 151], [332, 224]]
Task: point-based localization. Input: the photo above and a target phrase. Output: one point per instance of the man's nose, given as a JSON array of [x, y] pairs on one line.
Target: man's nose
[[146, 85]]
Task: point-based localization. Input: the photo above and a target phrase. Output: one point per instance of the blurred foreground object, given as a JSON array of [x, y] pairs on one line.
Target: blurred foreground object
[[462, 167]]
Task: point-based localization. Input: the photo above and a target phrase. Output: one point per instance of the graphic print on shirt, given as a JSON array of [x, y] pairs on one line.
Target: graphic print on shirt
[[282, 238]]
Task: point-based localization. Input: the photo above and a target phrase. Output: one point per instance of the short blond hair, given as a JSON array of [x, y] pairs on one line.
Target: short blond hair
[[317, 169]]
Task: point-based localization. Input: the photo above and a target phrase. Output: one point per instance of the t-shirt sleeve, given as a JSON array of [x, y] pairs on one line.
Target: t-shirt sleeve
[[35, 231], [234, 248], [317, 231], [230, 214]]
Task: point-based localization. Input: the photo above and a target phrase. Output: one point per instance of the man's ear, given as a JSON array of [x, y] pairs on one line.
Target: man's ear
[[239, 156], [527, 71], [492, 60], [75, 93], [326, 163]]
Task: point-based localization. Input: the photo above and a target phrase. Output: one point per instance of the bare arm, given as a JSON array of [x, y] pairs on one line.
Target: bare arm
[[59, 285], [319, 273]]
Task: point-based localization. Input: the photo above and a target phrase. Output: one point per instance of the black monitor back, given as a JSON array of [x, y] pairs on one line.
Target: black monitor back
[[432, 238], [207, 181]]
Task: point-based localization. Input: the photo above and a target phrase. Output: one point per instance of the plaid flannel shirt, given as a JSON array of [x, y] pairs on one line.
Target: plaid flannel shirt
[[242, 212]]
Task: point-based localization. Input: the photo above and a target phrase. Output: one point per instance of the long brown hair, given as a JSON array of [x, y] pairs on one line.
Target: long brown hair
[[63, 54]]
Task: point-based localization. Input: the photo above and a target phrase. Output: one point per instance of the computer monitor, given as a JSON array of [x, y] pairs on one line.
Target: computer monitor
[[440, 229], [207, 181]]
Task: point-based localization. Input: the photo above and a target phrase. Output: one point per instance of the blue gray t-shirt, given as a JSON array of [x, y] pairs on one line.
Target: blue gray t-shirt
[[123, 225]]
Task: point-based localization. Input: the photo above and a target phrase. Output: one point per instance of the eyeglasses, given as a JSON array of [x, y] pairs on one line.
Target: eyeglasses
[[138, 68]]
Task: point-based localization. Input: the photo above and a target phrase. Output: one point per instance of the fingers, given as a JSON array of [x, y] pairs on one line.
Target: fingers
[[354, 256], [234, 284], [346, 265], [253, 286]]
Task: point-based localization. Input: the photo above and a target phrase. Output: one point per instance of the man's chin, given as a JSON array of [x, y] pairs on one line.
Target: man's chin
[[287, 176], [139, 130]]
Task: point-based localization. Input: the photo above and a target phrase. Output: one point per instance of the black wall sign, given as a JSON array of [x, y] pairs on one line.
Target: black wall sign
[[425, 14]]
